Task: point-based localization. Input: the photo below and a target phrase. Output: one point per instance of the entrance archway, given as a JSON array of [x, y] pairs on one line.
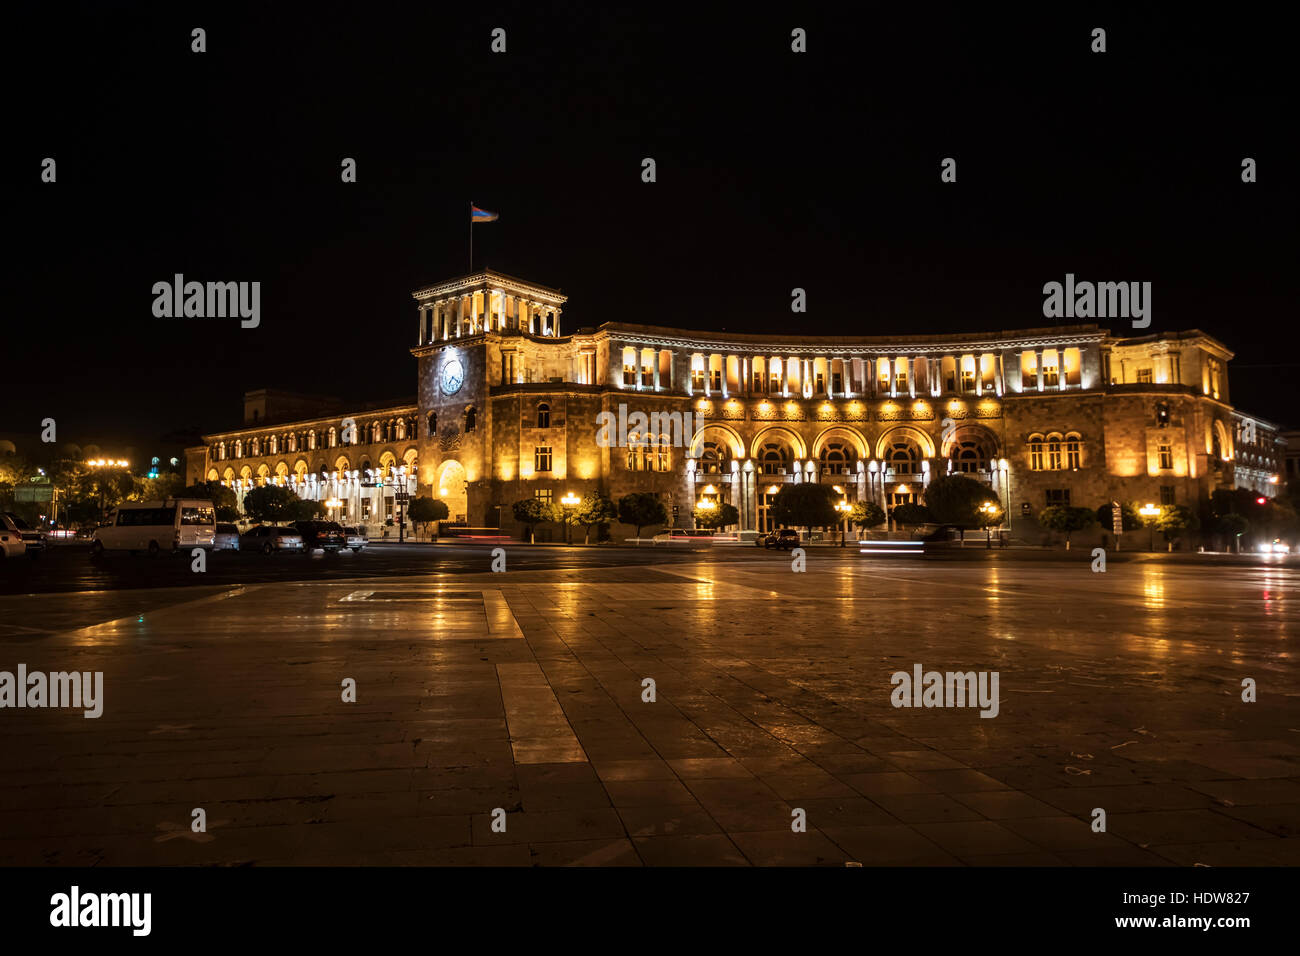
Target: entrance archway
[[449, 485]]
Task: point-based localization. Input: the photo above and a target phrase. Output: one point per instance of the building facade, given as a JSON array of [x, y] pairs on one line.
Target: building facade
[[508, 407]]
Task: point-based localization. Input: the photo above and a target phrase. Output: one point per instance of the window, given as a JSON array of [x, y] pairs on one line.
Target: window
[[837, 382], [904, 458], [758, 381], [544, 494], [1073, 451], [968, 380], [1165, 452], [712, 459], [629, 372], [1058, 496], [543, 415], [199, 515], [968, 458], [1036, 452], [950, 380], [634, 451], [697, 379], [1051, 375], [1167, 495], [664, 455], [772, 459], [1162, 414], [1144, 376], [900, 377], [433, 424], [715, 379], [1053, 452], [542, 458], [647, 375], [836, 458], [819, 383], [469, 419]]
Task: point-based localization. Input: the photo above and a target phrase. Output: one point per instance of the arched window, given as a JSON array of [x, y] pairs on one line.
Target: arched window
[[1073, 451], [469, 419], [543, 415], [663, 453], [334, 437], [239, 448], [1035, 452], [634, 451], [713, 458], [968, 457], [1054, 461], [837, 459], [904, 458], [431, 420], [401, 429], [773, 458]]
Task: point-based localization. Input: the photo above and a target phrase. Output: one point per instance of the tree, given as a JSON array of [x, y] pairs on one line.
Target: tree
[[530, 512], [956, 500], [303, 510], [717, 517], [1173, 520], [425, 510], [807, 505], [910, 515], [1066, 520], [866, 514], [167, 485], [595, 509], [271, 503], [221, 496], [642, 509]]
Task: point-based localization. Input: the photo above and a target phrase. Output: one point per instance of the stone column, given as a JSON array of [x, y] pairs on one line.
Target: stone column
[[1038, 363], [911, 377]]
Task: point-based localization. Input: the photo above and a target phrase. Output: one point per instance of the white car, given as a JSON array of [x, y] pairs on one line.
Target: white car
[[355, 538], [226, 538], [153, 526], [11, 540]]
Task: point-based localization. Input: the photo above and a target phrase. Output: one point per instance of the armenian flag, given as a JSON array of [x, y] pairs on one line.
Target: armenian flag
[[480, 215]]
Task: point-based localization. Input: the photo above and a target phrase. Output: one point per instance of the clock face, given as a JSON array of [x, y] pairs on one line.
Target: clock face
[[452, 375]]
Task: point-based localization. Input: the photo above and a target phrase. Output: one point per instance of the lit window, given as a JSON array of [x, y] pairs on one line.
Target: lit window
[[1073, 451], [1144, 376], [1036, 453], [1165, 451], [543, 415], [542, 458]]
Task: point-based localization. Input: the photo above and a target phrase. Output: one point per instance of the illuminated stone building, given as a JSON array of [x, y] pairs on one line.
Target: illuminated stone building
[[509, 407]]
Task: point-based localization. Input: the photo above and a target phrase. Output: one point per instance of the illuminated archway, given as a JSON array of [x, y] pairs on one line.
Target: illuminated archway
[[449, 486]]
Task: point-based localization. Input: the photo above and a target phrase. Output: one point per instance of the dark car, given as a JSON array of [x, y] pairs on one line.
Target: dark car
[[787, 539], [328, 535], [34, 538]]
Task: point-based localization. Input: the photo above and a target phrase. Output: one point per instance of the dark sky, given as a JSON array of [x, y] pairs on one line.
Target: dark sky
[[775, 170]]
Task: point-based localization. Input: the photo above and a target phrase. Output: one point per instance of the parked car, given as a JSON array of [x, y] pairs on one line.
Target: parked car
[[269, 538], [11, 541], [327, 535], [34, 538], [173, 524], [355, 538], [226, 538], [786, 539]]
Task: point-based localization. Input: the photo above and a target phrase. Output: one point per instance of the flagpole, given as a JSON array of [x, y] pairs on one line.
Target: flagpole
[[471, 235]]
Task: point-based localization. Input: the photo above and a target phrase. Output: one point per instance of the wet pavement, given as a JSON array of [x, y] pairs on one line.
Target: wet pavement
[[523, 692]]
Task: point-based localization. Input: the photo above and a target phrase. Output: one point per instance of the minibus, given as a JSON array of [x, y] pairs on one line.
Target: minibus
[[153, 526]]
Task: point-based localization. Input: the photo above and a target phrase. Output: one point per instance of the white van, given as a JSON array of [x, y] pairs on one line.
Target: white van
[[153, 526]]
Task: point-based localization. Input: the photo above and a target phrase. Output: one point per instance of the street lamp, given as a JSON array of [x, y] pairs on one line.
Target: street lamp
[[843, 507], [1149, 511], [989, 510], [569, 501]]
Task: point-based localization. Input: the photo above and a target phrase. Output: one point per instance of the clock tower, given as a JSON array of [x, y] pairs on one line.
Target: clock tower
[[474, 343]]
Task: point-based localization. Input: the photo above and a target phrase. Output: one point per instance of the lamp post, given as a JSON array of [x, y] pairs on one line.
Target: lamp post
[[989, 510], [569, 501], [1003, 468], [1150, 511], [842, 506]]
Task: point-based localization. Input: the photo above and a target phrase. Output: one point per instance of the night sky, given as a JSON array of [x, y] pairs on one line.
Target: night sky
[[775, 170]]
